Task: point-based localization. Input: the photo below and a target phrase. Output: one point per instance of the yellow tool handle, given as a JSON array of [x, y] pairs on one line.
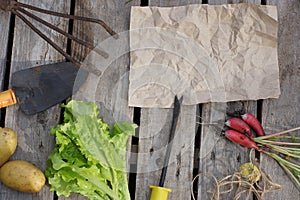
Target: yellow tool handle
[[159, 193], [7, 98]]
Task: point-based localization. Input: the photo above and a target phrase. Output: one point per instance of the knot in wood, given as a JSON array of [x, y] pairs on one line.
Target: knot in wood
[[7, 5]]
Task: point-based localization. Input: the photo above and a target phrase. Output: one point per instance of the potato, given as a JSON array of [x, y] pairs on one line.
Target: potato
[[22, 176], [8, 144]]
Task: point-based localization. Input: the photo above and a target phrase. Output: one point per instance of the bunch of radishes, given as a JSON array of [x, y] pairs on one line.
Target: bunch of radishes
[[285, 149]]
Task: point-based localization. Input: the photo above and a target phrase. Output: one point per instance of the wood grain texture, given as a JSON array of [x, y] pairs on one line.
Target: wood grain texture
[[283, 113], [4, 24], [34, 140], [218, 2], [245, 1], [153, 141], [168, 3], [109, 90], [153, 137], [218, 156], [4, 27]]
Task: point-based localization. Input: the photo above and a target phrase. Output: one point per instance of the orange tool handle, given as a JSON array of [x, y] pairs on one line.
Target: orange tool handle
[[7, 98]]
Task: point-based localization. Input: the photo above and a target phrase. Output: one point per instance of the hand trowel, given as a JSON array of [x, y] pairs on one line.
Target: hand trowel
[[38, 88]]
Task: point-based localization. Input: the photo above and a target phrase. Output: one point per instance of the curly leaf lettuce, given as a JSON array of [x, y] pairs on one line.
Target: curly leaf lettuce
[[88, 158]]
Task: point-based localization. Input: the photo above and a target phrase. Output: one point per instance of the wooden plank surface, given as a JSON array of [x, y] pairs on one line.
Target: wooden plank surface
[[212, 154], [283, 113], [4, 27], [219, 157], [245, 1], [109, 90], [34, 140], [153, 140]]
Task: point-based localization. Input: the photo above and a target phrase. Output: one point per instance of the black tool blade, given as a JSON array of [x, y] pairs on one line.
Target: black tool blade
[[176, 113], [39, 88]]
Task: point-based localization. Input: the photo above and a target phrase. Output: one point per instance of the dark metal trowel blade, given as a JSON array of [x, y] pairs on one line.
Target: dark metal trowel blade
[[39, 88]]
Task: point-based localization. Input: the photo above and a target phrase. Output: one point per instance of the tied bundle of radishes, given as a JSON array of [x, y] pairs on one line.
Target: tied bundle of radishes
[[285, 149]]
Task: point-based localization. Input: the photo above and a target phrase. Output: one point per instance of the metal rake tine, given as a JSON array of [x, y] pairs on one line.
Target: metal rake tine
[[55, 46], [94, 71], [49, 12], [88, 45], [18, 9], [44, 36], [60, 50]]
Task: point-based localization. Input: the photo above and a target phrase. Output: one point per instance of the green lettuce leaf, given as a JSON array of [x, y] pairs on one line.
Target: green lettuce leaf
[[89, 158]]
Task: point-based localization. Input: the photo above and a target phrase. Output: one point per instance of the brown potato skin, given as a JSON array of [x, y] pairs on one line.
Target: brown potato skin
[[8, 144], [22, 176]]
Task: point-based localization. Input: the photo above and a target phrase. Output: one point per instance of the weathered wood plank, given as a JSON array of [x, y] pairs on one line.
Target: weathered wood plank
[[180, 169], [153, 139], [214, 150], [108, 91], [219, 159], [283, 113], [4, 27], [168, 3], [4, 24], [34, 140], [245, 1], [218, 156], [218, 2], [111, 87]]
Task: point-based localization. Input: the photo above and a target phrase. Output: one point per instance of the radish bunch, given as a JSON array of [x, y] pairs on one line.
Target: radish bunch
[[245, 124], [285, 149]]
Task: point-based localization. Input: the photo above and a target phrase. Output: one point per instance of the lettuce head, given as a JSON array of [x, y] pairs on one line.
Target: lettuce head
[[89, 158]]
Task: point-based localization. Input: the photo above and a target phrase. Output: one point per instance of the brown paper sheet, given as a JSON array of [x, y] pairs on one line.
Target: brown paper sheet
[[205, 53]]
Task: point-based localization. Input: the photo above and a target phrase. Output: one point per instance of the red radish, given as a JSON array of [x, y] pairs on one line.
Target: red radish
[[239, 125], [242, 139], [254, 124]]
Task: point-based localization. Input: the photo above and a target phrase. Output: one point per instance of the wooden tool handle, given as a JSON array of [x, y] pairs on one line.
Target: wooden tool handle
[[7, 98]]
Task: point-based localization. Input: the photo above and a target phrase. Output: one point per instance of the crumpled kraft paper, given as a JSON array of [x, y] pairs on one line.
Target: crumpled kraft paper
[[205, 53]]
